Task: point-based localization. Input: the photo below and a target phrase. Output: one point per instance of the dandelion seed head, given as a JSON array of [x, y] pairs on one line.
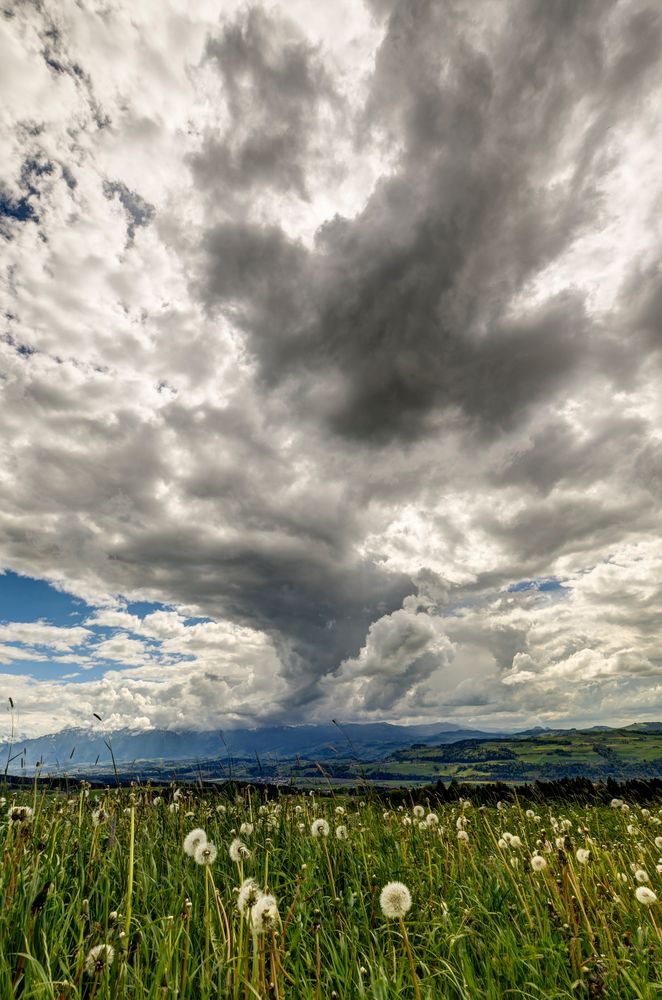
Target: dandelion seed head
[[238, 851], [395, 900], [20, 814], [418, 811], [264, 915], [341, 832], [538, 863], [205, 853], [582, 855], [319, 828], [249, 894], [641, 875], [99, 958], [246, 829], [193, 840], [645, 895]]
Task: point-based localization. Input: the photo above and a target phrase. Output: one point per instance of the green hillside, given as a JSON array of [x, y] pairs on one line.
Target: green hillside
[[596, 754]]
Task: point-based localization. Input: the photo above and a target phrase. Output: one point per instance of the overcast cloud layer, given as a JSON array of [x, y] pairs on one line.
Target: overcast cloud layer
[[337, 330]]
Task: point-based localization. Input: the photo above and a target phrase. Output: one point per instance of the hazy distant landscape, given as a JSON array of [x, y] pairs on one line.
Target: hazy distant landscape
[[380, 753]]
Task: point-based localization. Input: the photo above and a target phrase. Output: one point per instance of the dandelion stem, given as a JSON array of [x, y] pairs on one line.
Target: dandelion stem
[[129, 882], [410, 956]]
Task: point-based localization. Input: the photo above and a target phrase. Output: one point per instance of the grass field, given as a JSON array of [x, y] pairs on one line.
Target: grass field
[[100, 899]]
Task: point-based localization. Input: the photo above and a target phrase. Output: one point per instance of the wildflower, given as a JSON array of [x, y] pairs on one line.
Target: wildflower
[[530, 813], [177, 795], [264, 915], [616, 803], [395, 900], [99, 816], [193, 840], [463, 836], [221, 809], [641, 875], [173, 807], [340, 811], [248, 896], [246, 829], [99, 958], [341, 832], [645, 895], [460, 823], [431, 819], [418, 811], [515, 842], [20, 814], [319, 828], [503, 844], [205, 853], [238, 851], [658, 843], [582, 855], [538, 863]]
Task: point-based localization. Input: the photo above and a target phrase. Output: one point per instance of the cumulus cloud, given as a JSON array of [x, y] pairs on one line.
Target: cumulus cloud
[[324, 331]]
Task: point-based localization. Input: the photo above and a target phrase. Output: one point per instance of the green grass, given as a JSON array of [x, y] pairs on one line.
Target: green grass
[[482, 922]]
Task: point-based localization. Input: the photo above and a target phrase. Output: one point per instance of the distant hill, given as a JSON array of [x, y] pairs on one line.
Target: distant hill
[[71, 749], [380, 752], [537, 755]]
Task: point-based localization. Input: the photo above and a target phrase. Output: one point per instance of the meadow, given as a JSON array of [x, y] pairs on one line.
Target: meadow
[[150, 893]]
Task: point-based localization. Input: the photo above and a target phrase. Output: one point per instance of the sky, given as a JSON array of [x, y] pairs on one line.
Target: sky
[[330, 362]]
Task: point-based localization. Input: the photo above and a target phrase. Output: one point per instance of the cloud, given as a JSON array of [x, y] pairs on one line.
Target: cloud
[[323, 331]]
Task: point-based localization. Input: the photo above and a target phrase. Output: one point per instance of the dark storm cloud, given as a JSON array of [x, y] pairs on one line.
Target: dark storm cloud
[[408, 309], [315, 606], [274, 84]]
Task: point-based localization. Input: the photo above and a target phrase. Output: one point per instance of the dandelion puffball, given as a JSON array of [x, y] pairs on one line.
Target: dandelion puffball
[[193, 840], [238, 851], [395, 900], [538, 863], [264, 915], [319, 828], [645, 895], [582, 855], [249, 894], [99, 958], [205, 854]]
